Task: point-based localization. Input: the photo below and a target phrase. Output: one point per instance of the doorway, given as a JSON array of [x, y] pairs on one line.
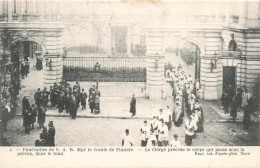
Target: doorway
[[229, 78]]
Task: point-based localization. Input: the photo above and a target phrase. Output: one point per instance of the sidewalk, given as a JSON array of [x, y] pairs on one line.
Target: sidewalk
[[218, 108]]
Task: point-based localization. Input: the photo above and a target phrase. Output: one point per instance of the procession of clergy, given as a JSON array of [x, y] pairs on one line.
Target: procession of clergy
[[186, 105]]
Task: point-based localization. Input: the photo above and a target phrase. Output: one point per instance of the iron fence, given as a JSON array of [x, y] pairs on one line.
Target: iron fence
[[105, 62], [112, 69]]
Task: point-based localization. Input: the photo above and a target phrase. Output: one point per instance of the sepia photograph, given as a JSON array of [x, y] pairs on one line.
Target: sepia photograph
[[129, 73]]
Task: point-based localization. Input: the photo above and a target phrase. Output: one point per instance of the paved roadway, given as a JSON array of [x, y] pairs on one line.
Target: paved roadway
[[108, 132]]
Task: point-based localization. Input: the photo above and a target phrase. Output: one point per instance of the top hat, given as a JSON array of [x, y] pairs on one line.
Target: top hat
[[50, 124]]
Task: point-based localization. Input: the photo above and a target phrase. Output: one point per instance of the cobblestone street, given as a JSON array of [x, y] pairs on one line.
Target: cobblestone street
[[108, 132]]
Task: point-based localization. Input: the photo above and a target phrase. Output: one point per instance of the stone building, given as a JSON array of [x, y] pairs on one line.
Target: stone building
[[226, 35]]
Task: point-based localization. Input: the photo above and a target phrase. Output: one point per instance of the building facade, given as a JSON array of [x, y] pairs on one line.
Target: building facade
[[227, 34]]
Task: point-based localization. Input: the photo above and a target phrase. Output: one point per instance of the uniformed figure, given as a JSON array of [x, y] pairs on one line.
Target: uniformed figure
[[83, 99], [50, 140], [133, 105]]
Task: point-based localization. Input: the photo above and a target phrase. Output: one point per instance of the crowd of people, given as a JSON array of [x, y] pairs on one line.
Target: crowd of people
[[8, 104], [186, 104], [61, 96], [241, 100]]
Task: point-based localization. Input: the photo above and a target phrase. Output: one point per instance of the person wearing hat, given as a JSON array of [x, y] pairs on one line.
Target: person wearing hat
[[83, 98], [167, 117], [50, 138], [145, 130], [133, 105], [127, 139]]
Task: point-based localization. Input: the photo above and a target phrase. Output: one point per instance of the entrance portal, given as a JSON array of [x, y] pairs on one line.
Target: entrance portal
[[229, 78]]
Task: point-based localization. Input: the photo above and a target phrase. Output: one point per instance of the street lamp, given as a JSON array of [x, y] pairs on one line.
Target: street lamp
[[214, 62], [97, 70]]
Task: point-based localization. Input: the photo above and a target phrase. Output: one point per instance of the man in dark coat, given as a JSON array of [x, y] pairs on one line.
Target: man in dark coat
[[83, 98], [38, 97], [34, 115], [45, 97], [73, 107], [50, 140], [249, 108], [133, 105], [91, 101], [97, 102], [25, 108], [4, 115], [76, 91], [234, 106]]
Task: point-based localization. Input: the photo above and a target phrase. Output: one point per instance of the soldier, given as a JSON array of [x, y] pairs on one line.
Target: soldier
[[83, 98]]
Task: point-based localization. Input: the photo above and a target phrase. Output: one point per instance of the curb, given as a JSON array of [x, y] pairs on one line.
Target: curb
[[139, 118]]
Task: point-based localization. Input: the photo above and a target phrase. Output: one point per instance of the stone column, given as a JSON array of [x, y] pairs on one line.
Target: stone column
[[53, 44], [155, 77], [10, 11]]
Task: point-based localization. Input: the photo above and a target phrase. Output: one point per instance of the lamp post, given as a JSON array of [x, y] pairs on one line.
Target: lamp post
[[96, 70]]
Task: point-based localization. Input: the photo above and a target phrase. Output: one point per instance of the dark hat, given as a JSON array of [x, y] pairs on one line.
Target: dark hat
[[50, 124], [127, 130], [145, 121]]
